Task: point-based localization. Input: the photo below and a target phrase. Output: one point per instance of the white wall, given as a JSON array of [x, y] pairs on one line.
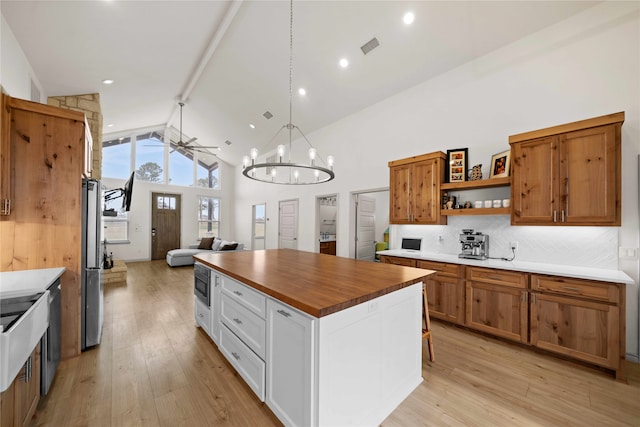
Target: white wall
[[15, 70], [584, 67]]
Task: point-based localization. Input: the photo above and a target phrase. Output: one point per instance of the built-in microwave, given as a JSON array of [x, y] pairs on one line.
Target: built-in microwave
[[202, 283]]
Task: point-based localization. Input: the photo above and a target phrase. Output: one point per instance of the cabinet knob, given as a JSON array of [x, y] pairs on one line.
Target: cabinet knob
[[238, 321], [235, 355]]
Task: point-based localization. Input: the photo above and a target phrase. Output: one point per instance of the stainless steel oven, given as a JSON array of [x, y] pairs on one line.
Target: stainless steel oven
[[202, 283]]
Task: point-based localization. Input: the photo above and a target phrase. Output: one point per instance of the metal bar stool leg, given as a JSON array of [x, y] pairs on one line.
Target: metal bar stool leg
[[426, 331]]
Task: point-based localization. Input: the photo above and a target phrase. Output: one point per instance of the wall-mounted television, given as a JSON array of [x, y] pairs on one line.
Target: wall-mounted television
[[127, 192]]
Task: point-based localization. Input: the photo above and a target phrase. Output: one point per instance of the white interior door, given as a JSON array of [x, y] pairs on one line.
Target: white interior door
[[365, 227], [288, 225], [259, 226]]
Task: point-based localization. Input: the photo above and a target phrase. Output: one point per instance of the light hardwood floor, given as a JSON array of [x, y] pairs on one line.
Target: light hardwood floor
[[154, 367]]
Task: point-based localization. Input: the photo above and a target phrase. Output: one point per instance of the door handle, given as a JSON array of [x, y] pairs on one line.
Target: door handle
[[153, 232]]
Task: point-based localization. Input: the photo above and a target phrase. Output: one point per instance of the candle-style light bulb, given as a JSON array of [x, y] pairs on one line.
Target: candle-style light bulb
[[312, 155], [296, 174], [253, 153], [330, 161], [280, 152], [245, 161]]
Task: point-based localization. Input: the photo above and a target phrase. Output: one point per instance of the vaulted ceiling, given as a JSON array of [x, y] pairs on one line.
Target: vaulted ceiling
[[229, 60]]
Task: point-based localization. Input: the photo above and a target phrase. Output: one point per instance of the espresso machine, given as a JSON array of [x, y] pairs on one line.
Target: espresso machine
[[475, 245]]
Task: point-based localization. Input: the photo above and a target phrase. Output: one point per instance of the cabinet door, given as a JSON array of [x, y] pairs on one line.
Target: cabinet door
[[590, 176], [498, 310], [7, 405], [534, 182], [445, 297], [290, 364], [27, 390], [425, 186], [584, 330], [399, 194]]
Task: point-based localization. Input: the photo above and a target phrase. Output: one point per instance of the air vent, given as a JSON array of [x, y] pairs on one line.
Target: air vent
[[267, 115], [227, 142], [370, 45]]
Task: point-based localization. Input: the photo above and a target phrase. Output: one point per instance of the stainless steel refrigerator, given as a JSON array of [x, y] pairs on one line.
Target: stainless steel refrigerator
[[92, 282]]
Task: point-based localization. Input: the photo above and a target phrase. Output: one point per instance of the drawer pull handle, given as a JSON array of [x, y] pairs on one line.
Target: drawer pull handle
[[200, 315], [284, 313], [238, 293], [234, 354], [494, 277], [238, 321], [570, 289]]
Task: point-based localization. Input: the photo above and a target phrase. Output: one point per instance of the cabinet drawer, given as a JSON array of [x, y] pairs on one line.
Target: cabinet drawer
[[443, 269], [407, 262], [497, 277], [246, 296], [250, 328], [598, 291], [203, 315], [250, 367]]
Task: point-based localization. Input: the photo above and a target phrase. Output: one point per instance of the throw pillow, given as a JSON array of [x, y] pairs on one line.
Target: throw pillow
[[229, 247], [205, 243], [216, 244]]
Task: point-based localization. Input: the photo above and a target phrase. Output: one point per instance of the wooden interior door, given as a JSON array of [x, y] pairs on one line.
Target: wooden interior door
[[165, 224]]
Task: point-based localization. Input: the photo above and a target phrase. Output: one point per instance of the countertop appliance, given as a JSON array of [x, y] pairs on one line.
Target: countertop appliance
[[92, 285], [51, 340], [202, 283], [475, 245]]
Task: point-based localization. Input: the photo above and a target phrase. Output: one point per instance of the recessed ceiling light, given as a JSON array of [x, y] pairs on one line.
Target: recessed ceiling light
[[252, 126], [110, 125], [408, 18], [107, 81], [302, 91], [344, 63]]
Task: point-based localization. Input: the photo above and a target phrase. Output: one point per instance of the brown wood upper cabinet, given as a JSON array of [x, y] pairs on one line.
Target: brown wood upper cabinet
[[415, 189], [568, 174], [5, 156]]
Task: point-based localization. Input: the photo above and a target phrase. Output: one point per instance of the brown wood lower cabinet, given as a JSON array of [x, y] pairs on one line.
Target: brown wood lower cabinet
[[328, 248], [582, 319], [445, 291], [18, 403], [496, 302]]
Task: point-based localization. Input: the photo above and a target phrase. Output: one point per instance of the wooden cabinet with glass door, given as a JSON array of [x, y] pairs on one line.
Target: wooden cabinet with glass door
[[568, 174], [414, 189]]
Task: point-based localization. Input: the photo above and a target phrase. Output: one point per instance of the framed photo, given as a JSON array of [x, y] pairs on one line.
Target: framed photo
[[500, 164], [456, 167]]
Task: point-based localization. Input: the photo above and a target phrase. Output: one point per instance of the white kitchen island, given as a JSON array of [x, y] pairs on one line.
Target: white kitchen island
[[323, 340]]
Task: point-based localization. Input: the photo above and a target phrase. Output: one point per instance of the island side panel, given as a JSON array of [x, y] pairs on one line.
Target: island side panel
[[369, 358]]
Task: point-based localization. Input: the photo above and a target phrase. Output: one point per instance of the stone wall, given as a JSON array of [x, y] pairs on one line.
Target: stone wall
[[90, 105]]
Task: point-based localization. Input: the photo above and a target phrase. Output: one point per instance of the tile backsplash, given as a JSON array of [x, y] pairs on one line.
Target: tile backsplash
[[595, 247]]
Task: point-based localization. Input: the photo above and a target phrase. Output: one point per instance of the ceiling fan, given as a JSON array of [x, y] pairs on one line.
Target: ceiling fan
[[187, 145]]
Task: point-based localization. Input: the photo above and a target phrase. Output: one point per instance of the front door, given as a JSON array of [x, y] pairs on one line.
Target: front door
[[288, 225], [365, 227], [165, 224]]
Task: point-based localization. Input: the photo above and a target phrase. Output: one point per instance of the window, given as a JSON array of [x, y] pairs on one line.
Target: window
[[116, 228], [208, 217], [208, 171], [116, 158], [148, 153], [166, 202], [149, 157]]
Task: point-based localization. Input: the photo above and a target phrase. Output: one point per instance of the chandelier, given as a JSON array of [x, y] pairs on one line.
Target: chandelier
[[281, 169]]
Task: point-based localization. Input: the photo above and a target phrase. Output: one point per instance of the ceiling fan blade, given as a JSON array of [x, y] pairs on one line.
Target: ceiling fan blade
[[190, 141]]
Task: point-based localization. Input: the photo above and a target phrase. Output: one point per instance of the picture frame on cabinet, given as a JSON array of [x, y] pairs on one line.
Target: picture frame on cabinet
[[456, 166], [500, 164]]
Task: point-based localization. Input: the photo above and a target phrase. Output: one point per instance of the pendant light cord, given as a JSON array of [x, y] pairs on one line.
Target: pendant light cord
[[290, 72]]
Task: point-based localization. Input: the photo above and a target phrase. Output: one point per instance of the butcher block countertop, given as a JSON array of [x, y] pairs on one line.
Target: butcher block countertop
[[316, 284]]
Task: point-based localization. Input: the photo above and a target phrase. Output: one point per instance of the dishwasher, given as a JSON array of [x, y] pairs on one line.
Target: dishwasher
[[51, 340]]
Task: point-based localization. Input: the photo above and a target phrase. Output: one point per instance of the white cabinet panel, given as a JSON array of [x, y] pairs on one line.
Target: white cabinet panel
[[245, 324], [216, 305], [250, 367], [290, 365], [203, 316]]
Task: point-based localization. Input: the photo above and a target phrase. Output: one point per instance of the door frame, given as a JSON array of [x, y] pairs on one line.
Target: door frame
[[353, 195], [317, 229], [152, 199]]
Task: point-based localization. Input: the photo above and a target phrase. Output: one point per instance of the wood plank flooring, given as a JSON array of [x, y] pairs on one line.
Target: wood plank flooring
[[155, 368]]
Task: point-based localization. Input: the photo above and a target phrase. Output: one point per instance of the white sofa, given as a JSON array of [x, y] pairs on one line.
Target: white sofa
[[180, 257]]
